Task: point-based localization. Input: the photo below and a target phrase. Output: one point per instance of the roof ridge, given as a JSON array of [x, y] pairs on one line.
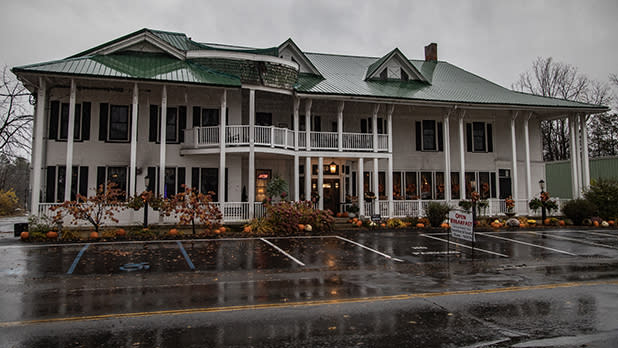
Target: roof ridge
[[341, 55]]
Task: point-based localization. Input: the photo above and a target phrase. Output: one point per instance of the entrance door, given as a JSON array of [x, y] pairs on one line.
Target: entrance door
[[331, 193], [505, 183]]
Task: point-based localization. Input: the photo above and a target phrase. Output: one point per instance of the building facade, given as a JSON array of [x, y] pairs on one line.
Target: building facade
[[341, 129]]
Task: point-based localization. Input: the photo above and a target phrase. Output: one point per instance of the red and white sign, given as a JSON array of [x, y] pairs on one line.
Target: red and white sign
[[461, 225]]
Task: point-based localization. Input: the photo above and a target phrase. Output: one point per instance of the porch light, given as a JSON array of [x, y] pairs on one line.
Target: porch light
[[542, 185], [333, 167]]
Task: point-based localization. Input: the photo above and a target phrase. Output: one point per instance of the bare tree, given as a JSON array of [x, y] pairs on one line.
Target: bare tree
[[15, 116], [549, 78]]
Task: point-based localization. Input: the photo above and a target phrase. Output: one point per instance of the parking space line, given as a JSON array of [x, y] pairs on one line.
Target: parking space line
[[76, 261], [368, 248], [600, 233], [465, 246], [575, 240], [187, 258], [283, 252], [525, 243]]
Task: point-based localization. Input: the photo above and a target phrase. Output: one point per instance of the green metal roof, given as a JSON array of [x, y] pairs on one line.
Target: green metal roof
[[345, 75], [142, 66]]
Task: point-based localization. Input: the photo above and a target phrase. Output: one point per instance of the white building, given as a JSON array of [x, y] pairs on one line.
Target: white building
[[410, 131]]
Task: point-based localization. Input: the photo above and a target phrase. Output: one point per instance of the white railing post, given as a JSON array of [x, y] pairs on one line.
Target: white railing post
[[272, 136]]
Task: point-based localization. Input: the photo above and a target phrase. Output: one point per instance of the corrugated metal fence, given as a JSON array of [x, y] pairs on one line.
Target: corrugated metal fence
[[558, 174]]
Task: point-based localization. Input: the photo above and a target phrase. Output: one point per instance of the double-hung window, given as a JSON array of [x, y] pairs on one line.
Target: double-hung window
[[116, 175], [114, 123], [56, 177], [479, 137], [59, 121], [429, 136], [175, 123]]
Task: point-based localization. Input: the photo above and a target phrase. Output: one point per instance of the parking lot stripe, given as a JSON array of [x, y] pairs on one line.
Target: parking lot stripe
[[368, 248], [184, 253], [465, 246], [575, 240], [283, 252], [525, 243], [76, 261], [600, 233]]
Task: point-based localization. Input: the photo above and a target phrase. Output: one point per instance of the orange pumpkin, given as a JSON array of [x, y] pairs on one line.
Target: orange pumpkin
[[217, 231], [94, 235], [382, 225], [173, 232], [121, 232], [444, 225], [546, 221], [247, 229], [24, 235], [338, 214], [52, 234], [359, 223], [301, 227], [420, 225], [611, 222], [345, 214], [561, 223], [595, 223]]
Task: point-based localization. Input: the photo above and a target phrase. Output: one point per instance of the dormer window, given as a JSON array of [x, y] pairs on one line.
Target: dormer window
[[394, 66], [384, 74], [404, 75]]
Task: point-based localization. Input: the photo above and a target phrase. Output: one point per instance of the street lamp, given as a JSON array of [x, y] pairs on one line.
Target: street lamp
[[543, 211], [147, 183]]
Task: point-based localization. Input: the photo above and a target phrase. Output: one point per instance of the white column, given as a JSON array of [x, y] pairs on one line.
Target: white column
[[514, 157], [37, 148], [376, 187], [223, 113], [69, 160], [389, 126], [527, 151], [321, 182], [308, 103], [340, 125], [163, 140], [133, 165], [389, 186], [585, 159], [251, 176], [307, 178], [447, 157], [578, 150], [374, 122], [574, 173], [462, 158], [296, 178], [296, 107], [361, 187]]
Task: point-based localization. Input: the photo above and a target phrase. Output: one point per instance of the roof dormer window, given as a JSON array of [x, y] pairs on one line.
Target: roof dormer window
[[404, 75], [393, 66], [384, 74]]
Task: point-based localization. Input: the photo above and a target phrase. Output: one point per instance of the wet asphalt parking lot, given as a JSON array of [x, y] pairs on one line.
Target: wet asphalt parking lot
[[395, 289]]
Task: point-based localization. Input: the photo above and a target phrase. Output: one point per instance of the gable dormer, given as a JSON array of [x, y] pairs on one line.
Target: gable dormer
[[144, 40], [290, 51], [393, 66]]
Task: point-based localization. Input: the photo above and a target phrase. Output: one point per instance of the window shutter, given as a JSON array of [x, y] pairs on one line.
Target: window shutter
[[152, 130], [419, 138], [317, 123], [86, 120], [195, 179], [62, 173], [364, 125], [77, 130], [50, 191], [440, 137], [100, 177], [197, 114], [182, 123], [493, 184], [103, 111], [181, 179], [152, 175], [54, 113], [83, 181], [469, 136], [490, 140], [380, 125], [74, 182]]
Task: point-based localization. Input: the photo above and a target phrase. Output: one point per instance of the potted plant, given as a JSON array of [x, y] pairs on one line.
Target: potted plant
[[352, 210]]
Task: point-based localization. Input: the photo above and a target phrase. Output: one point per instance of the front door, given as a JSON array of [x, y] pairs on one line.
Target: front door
[[505, 183], [331, 193]]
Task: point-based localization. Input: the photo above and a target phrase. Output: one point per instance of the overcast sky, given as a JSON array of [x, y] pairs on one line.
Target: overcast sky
[[494, 39]]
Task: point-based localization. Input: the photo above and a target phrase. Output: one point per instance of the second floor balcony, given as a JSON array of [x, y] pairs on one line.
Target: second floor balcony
[[284, 138]]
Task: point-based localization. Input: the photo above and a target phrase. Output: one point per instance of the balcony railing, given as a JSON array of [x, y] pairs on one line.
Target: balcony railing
[[271, 136]]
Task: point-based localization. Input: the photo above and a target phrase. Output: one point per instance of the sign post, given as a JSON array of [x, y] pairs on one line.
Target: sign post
[[462, 226]]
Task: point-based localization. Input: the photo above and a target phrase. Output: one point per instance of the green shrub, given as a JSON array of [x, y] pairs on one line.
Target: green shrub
[[284, 217], [578, 210], [436, 213], [8, 202], [604, 195]]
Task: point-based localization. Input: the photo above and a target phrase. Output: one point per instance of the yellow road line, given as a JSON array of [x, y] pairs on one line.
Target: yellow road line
[[305, 303]]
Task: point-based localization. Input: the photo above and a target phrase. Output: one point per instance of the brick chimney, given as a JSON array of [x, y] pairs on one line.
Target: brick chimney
[[431, 52]]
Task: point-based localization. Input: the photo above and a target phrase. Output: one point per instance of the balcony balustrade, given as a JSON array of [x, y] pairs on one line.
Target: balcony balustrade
[[275, 137]]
